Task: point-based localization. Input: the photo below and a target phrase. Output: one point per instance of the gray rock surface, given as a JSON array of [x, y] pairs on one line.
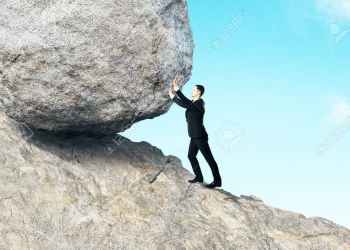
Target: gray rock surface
[[91, 67], [112, 193]]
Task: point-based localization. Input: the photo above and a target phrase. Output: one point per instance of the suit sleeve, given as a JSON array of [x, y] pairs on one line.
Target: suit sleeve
[[187, 103], [179, 102]]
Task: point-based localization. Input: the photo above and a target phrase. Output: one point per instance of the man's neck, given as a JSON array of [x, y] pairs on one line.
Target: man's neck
[[196, 98]]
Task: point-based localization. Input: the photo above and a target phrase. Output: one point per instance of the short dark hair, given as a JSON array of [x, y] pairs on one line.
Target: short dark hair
[[201, 89]]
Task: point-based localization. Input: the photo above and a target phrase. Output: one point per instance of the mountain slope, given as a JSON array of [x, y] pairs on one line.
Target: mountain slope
[[85, 193]]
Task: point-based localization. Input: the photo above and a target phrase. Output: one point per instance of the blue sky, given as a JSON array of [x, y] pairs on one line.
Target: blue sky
[[277, 97]]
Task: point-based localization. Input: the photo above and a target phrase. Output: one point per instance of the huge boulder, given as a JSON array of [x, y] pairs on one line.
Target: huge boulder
[[91, 68]]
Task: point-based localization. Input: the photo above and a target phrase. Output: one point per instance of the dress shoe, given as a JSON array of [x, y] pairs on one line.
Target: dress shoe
[[196, 180], [214, 184]]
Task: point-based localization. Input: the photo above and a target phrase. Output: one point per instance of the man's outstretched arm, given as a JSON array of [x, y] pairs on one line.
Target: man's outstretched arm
[[182, 96], [172, 96], [184, 101]]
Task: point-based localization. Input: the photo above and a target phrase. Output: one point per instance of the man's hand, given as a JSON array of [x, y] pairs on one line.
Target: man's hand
[[175, 80], [171, 89]]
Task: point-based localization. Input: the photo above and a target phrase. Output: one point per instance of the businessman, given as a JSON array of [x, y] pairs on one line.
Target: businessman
[[196, 130]]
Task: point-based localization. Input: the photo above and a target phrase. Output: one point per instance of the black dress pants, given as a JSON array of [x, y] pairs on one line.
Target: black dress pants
[[202, 145]]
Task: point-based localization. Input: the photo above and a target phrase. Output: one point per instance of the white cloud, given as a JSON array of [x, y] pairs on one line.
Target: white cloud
[[340, 109], [334, 7]]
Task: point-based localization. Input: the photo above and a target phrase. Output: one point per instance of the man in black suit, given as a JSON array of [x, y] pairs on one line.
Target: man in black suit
[[199, 137]]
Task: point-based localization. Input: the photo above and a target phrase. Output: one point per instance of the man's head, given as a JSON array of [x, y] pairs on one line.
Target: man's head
[[198, 91]]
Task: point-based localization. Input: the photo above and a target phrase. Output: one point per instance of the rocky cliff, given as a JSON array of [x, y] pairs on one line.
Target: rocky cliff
[[112, 193]]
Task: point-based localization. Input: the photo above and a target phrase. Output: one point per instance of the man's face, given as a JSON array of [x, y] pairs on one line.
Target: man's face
[[195, 92]]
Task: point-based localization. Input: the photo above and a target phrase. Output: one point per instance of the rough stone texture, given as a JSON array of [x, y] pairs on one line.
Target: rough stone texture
[[91, 67], [88, 193]]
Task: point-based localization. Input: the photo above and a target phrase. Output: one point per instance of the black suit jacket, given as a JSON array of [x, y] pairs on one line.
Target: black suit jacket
[[194, 114]]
